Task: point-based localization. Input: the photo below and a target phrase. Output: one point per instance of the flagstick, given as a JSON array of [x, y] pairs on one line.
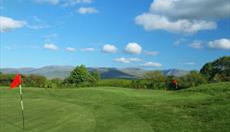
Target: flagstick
[[23, 123]]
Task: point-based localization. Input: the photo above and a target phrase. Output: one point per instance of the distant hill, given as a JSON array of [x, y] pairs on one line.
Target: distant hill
[[106, 73], [175, 72]]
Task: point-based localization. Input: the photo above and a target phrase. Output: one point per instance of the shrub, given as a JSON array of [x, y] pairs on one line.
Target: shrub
[[115, 83], [54, 83], [155, 80], [191, 80], [27, 80]]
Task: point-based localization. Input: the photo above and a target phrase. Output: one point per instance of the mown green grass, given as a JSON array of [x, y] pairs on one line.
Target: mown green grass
[[201, 109]]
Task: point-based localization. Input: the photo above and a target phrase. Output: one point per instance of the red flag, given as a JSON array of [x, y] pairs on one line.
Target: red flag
[[16, 82], [174, 82]]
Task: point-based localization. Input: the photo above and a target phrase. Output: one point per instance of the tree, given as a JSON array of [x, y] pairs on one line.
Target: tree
[[217, 70], [96, 75], [155, 79], [79, 75], [192, 79], [34, 80], [54, 83], [169, 84]]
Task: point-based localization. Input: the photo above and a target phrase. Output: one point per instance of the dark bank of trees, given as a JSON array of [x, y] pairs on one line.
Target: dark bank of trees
[[216, 71], [211, 72], [27, 80]]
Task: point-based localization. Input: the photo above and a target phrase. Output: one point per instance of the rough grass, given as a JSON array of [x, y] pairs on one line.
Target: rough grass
[[205, 108]]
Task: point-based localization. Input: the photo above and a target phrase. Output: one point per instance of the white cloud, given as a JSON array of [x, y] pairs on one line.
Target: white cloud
[[191, 9], [50, 37], [8, 24], [36, 27], [87, 10], [70, 49], [157, 22], [151, 53], [127, 60], [152, 64], [37, 23], [189, 63], [74, 2], [184, 16], [50, 46], [220, 44], [108, 48], [197, 44], [133, 48], [180, 41], [53, 2], [87, 49]]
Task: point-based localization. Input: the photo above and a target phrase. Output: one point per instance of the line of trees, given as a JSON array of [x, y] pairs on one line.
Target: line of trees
[[216, 71], [156, 80], [27, 80]]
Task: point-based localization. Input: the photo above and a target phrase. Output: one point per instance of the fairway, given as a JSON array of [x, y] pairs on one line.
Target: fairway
[[107, 109]]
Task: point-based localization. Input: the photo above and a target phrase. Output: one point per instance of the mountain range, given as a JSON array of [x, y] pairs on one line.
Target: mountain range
[[106, 73]]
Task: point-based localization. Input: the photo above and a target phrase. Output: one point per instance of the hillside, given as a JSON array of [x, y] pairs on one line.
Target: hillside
[[64, 71], [203, 108]]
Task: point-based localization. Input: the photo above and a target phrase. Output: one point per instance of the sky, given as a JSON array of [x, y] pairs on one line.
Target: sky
[[149, 34]]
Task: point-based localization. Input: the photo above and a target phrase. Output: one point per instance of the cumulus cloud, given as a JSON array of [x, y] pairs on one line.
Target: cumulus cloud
[[197, 44], [151, 53], [87, 49], [8, 24], [37, 23], [108, 48], [70, 49], [152, 64], [220, 44], [133, 48], [36, 27], [74, 2], [191, 9], [184, 16], [50, 37], [180, 41], [50, 46], [157, 22], [189, 63], [87, 10], [53, 2], [127, 60]]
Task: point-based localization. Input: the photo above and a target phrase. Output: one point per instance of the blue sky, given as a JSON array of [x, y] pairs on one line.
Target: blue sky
[[160, 34]]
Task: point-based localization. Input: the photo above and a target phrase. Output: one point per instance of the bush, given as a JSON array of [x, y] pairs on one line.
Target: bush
[[139, 84], [27, 80], [191, 80], [34, 80], [54, 83], [115, 83], [6, 79], [154, 80]]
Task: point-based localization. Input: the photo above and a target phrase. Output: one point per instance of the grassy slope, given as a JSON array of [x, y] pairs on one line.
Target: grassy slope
[[204, 108]]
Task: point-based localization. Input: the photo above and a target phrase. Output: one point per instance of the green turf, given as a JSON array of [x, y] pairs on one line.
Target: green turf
[[202, 109]]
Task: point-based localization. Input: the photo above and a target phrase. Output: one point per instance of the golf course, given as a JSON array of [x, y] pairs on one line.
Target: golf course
[[204, 108]]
